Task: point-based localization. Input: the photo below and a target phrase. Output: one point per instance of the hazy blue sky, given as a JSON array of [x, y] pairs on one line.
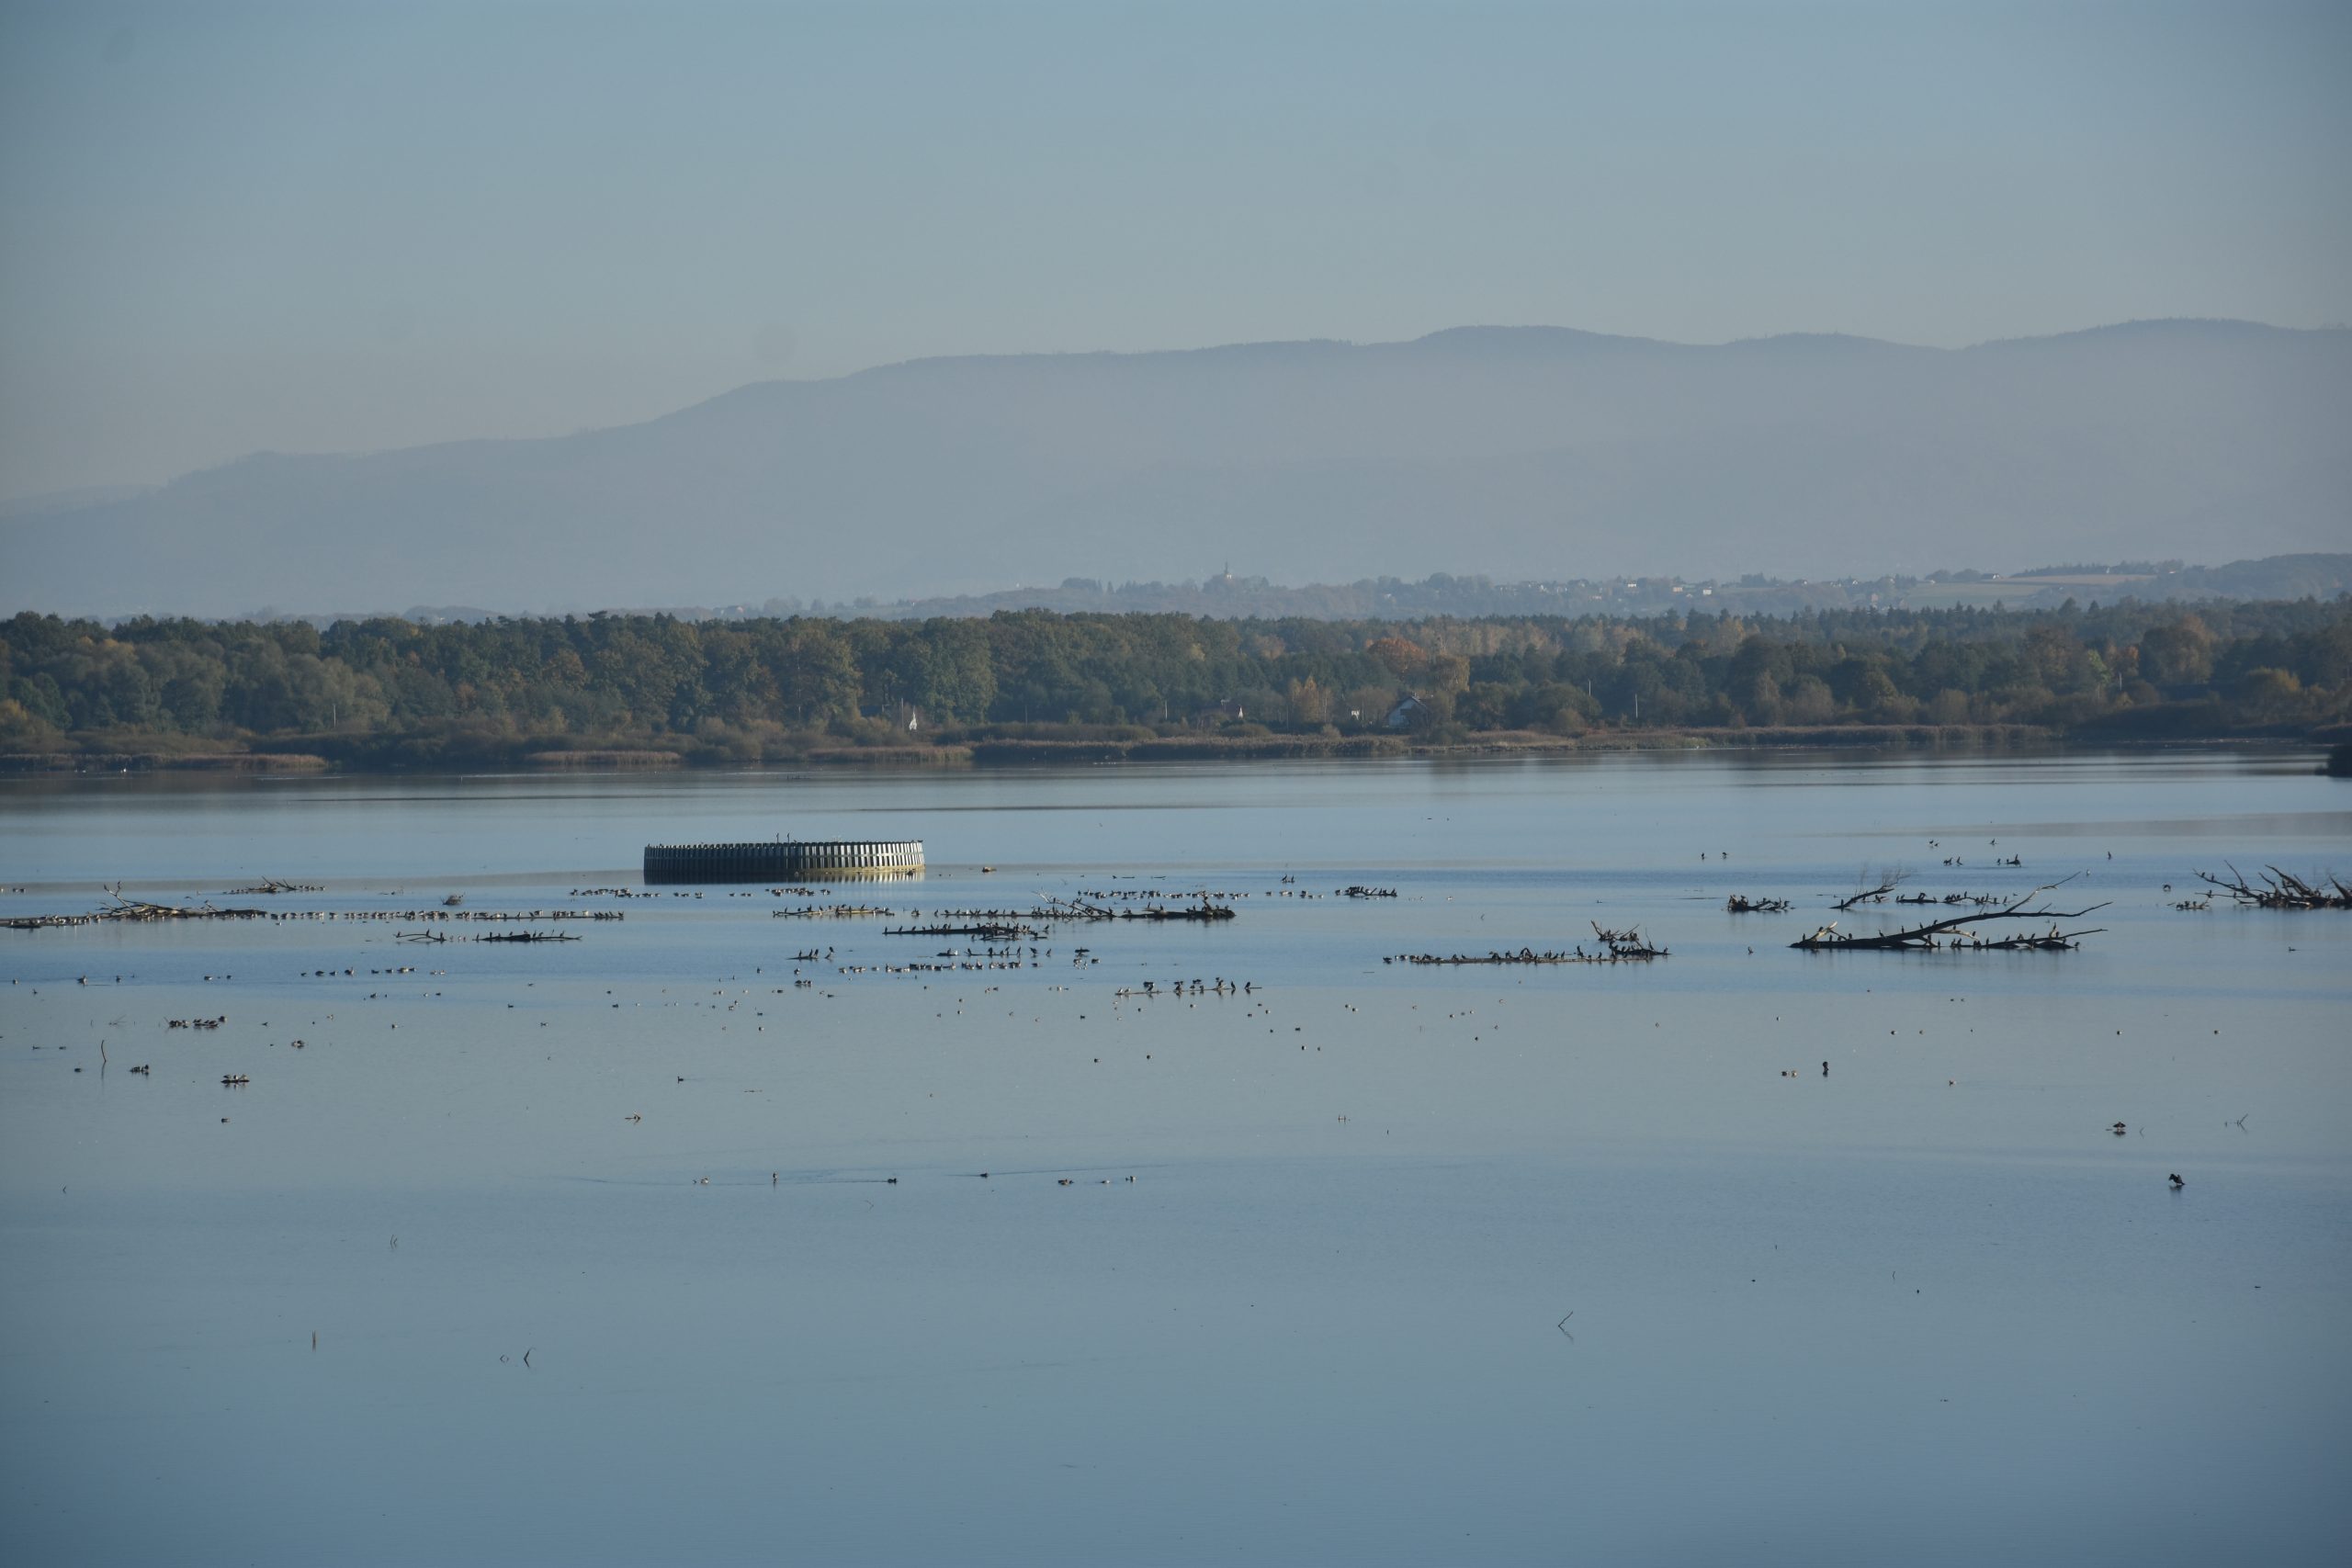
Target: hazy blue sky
[[327, 226]]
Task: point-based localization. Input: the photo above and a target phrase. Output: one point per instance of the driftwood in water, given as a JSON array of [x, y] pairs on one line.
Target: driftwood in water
[[2278, 889], [271, 884], [137, 910], [1076, 910], [140, 909], [1889, 880], [1524, 955], [402, 916], [1741, 903], [1001, 915], [1925, 938], [2052, 940], [1617, 947], [1627, 943], [526, 936], [1204, 910], [985, 933]]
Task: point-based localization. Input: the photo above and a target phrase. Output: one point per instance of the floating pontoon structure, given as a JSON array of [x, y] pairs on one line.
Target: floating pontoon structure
[[784, 860]]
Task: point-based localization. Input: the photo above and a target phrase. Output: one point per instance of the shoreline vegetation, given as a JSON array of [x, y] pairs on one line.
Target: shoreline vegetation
[[1017, 752], [1027, 687]]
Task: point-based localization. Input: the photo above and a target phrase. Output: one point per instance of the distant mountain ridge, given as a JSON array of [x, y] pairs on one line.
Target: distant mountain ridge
[[1520, 453]]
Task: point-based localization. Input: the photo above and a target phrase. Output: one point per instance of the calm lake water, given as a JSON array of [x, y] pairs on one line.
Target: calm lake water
[[630, 1249]]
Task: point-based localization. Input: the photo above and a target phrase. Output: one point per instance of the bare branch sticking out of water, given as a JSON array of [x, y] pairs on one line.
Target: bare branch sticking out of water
[[1867, 892], [2277, 889], [1923, 938]]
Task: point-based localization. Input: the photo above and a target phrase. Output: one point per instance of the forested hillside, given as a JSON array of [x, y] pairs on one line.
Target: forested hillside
[[386, 692]]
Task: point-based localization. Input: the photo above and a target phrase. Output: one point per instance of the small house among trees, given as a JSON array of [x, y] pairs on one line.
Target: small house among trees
[[1409, 712]]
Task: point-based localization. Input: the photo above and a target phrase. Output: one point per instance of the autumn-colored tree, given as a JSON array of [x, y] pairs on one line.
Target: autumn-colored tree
[[1400, 656]]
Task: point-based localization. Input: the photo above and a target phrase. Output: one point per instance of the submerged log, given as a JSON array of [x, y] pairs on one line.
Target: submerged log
[[1073, 910], [1616, 947], [2052, 940], [1204, 910], [984, 932], [137, 909], [1741, 903]]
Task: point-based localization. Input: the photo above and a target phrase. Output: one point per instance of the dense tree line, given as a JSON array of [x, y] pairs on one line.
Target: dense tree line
[[779, 687]]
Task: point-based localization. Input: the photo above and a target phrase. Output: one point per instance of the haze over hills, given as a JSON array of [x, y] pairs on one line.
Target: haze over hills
[[1517, 453]]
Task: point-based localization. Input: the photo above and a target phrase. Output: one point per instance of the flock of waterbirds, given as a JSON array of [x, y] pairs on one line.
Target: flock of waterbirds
[[1017, 938]]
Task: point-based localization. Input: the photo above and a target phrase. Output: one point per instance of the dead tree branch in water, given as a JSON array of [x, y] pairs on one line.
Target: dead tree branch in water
[[1888, 882], [2282, 890], [1923, 938]]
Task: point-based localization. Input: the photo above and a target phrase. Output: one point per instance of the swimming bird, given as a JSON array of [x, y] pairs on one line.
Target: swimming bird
[[2119, 1129], [2176, 1182]]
